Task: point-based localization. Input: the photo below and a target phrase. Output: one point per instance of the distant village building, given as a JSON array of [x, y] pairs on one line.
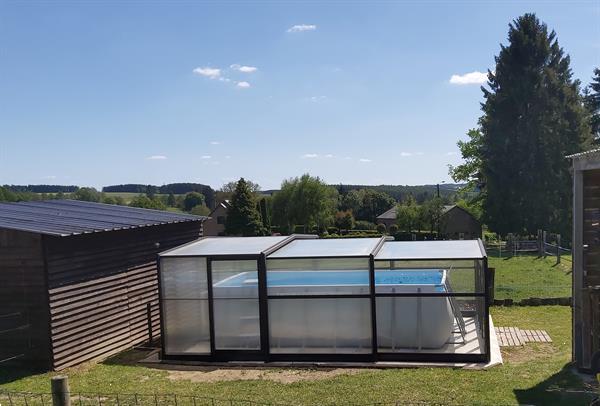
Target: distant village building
[[456, 223], [215, 225], [388, 218]]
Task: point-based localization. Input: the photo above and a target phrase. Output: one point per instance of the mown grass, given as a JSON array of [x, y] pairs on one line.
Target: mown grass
[[529, 276], [534, 374]]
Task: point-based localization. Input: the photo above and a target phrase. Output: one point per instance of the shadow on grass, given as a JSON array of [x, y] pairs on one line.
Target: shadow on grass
[[13, 371], [563, 388], [128, 357]]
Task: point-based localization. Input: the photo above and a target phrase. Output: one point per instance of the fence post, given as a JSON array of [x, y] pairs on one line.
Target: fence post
[[544, 235], [558, 248], [492, 283], [540, 243], [60, 391]]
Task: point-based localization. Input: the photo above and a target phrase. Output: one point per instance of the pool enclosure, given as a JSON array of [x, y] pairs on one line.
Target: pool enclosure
[[299, 298]]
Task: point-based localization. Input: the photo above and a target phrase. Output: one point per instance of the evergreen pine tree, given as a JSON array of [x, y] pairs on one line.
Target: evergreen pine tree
[[533, 117], [592, 102], [242, 217]]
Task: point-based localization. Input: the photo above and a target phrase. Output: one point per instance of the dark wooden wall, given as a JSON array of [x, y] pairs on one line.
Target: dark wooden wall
[[456, 221], [99, 288], [590, 296], [23, 300]]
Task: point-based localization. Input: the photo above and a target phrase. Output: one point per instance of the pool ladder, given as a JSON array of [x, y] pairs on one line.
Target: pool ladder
[[462, 329]]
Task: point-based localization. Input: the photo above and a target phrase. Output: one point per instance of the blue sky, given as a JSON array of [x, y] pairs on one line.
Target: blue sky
[[98, 93]]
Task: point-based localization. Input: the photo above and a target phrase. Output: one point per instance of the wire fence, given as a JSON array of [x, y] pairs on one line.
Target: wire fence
[[136, 399]]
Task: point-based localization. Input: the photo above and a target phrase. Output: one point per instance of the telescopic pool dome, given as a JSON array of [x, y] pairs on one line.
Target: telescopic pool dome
[[300, 298]]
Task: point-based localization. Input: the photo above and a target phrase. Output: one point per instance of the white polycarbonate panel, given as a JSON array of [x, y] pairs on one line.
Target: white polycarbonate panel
[[186, 327], [342, 247], [237, 325], [235, 305], [413, 322], [183, 278], [226, 269], [460, 249], [338, 326], [226, 246], [324, 276]]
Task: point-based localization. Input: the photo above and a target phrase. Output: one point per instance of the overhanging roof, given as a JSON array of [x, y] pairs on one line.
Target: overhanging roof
[[72, 217]]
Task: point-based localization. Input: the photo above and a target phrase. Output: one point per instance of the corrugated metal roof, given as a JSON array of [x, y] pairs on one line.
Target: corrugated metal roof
[[584, 153], [71, 217]]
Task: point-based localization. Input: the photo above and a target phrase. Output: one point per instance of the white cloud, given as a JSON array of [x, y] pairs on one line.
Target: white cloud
[[222, 79], [364, 160], [243, 85], [329, 156], [405, 153], [205, 157], [473, 78], [419, 153], [347, 158], [227, 156], [157, 157], [215, 143], [243, 68], [49, 177], [451, 153], [309, 156], [212, 73], [302, 27], [317, 99]]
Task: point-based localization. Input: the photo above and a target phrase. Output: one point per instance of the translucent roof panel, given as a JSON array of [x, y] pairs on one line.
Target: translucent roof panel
[[457, 249], [342, 247], [225, 246]]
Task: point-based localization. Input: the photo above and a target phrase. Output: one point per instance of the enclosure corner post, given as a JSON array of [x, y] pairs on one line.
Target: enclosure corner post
[[60, 390]]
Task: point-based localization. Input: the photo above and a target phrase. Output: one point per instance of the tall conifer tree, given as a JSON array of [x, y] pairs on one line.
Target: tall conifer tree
[[533, 117], [242, 217]]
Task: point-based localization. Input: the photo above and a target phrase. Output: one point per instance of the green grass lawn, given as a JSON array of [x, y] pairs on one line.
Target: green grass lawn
[[533, 374], [529, 276]]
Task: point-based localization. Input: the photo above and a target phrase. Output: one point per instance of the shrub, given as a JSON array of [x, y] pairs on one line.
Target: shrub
[[381, 228], [393, 229], [364, 225]]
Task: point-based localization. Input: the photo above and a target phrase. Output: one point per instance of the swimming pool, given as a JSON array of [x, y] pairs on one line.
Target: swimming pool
[[341, 277], [315, 324]]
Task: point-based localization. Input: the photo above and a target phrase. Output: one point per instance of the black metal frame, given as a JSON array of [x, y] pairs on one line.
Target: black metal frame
[[264, 354]]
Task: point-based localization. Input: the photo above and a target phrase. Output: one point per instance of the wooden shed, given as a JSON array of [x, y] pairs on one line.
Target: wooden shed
[[586, 260], [78, 280]]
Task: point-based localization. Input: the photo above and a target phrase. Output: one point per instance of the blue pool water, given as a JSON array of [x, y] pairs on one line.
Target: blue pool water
[[338, 278]]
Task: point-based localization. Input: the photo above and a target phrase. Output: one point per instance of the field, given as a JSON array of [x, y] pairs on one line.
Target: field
[[128, 196], [533, 374], [529, 276]]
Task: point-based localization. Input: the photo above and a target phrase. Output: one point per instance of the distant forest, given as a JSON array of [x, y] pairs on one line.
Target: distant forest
[[421, 193], [42, 188]]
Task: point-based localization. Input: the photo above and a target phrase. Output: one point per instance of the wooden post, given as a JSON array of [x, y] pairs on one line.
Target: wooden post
[[558, 248], [540, 243], [492, 282], [544, 235], [60, 391], [149, 314]]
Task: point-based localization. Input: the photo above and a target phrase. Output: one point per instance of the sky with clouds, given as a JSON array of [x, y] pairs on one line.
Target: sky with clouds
[[98, 93]]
